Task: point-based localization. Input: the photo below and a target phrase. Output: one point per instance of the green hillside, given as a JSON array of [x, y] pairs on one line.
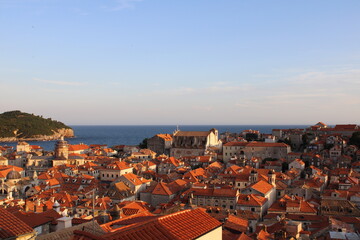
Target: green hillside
[[26, 125]]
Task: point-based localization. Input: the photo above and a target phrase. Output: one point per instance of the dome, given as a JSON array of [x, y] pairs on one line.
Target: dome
[[13, 175], [56, 204]]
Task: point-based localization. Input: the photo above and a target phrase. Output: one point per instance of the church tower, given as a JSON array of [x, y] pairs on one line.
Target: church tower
[[253, 176], [61, 149], [272, 177]]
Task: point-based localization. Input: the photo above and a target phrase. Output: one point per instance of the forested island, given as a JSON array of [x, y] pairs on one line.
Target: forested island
[[17, 125]]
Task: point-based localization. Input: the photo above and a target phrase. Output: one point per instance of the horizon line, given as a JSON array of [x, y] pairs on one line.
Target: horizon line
[[206, 124]]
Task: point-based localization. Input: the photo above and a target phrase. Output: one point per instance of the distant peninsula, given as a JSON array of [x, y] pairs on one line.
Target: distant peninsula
[[19, 126]]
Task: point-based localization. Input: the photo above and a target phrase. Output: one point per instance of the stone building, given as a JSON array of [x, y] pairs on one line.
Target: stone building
[[115, 170], [331, 207], [214, 197], [193, 143], [160, 143], [23, 147], [61, 149], [134, 182], [247, 150], [162, 192], [11, 181]]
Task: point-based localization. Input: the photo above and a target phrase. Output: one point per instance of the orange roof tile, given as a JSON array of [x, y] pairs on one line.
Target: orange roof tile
[[224, 192], [11, 226], [166, 137], [187, 224], [264, 235], [262, 186], [236, 223], [78, 147], [251, 200], [135, 179], [162, 189], [243, 236]]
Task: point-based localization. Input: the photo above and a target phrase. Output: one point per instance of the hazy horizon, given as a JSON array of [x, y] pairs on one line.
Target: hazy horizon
[[142, 62]]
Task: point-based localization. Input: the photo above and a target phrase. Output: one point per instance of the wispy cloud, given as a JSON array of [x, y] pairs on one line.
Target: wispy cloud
[[63, 83], [122, 4], [337, 88]]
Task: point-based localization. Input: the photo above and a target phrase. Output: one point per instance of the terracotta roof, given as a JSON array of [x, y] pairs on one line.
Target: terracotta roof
[[161, 189], [68, 233], [229, 235], [346, 127], [221, 192], [37, 219], [243, 236], [118, 166], [128, 220], [236, 223], [11, 226], [251, 200], [35, 147], [192, 133], [133, 207], [262, 186], [173, 161], [264, 235], [5, 169], [135, 179], [187, 224], [166, 137], [121, 186], [78, 147]]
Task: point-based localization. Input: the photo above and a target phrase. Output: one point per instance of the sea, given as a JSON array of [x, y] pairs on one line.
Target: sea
[[112, 135]]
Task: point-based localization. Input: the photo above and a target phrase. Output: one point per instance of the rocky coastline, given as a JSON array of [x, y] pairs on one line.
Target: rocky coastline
[[60, 133]]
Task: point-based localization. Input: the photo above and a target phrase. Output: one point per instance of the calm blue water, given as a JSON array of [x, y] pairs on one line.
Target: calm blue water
[[133, 135]]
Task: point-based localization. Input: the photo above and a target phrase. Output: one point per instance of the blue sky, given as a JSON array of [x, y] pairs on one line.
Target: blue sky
[[181, 62]]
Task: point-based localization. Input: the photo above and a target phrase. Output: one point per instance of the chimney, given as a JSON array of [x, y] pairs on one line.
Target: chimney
[[64, 222]]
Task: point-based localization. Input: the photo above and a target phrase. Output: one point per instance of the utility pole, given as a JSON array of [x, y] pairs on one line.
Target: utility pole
[[93, 210]]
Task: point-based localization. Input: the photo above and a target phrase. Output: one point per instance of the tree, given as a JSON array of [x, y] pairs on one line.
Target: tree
[[355, 139], [143, 144], [251, 136], [284, 166]]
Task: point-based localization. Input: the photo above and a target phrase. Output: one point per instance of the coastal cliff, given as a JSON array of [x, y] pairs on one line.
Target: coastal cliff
[[63, 132], [18, 126]]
